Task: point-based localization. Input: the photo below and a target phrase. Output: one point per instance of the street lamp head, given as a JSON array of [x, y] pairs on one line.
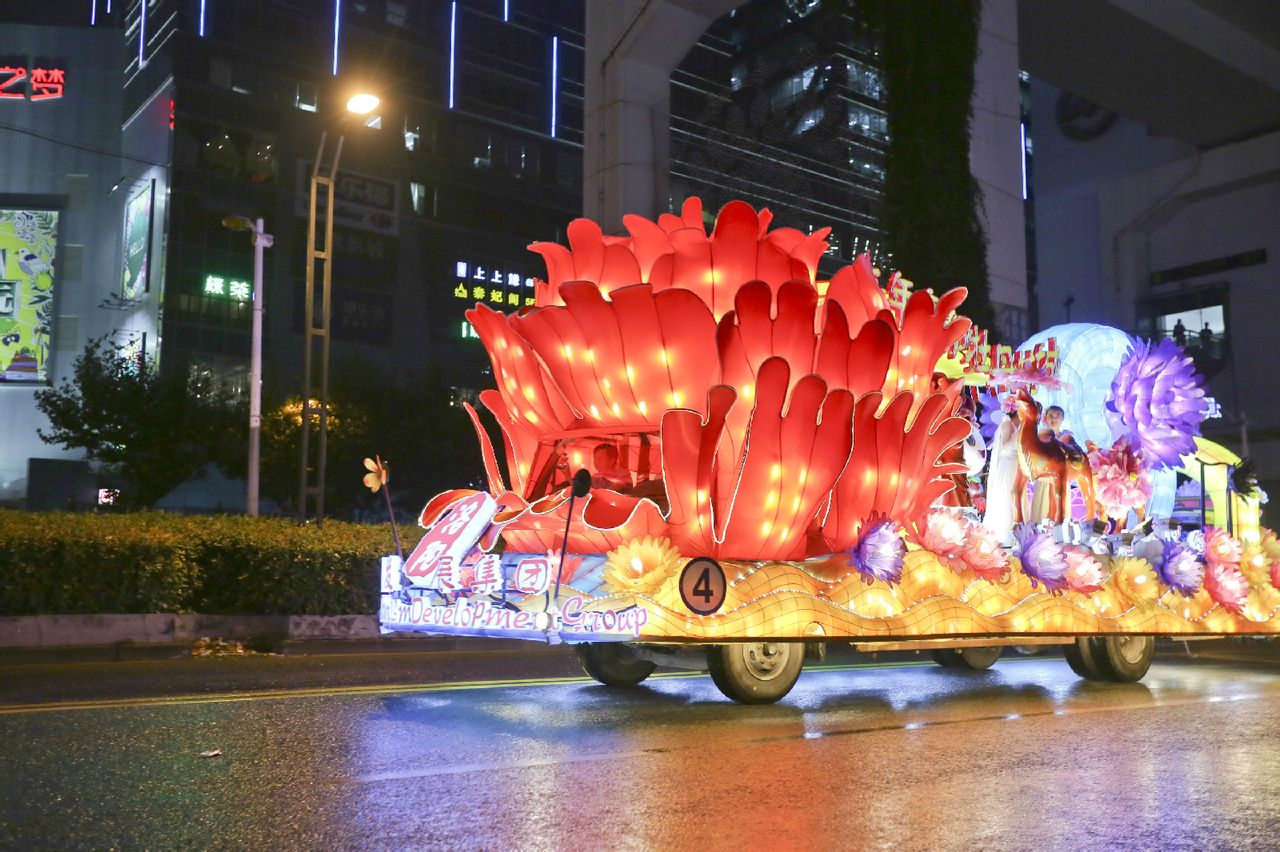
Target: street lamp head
[[238, 223], [363, 103]]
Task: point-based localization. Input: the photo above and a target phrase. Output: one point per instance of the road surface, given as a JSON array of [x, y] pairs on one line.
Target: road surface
[[514, 750]]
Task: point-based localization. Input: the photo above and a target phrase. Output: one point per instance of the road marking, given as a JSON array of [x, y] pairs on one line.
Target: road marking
[[374, 690], [397, 689]]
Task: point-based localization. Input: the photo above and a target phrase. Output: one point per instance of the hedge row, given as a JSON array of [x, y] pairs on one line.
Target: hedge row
[[55, 563]]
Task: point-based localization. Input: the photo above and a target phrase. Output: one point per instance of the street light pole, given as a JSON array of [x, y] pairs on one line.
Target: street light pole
[[320, 251], [261, 241]]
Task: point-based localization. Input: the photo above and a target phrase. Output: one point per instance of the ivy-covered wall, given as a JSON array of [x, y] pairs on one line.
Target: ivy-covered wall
[[931, 204]]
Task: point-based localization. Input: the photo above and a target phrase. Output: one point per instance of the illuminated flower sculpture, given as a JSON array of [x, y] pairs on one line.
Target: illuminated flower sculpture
[[641, 565], [1084, 571], [1121, 480], [1220, 548], [945, 535], [1226, 585], [983, 555], [1180, 568], [1042, 558], [879, 551], [1157, 400], [785, 417]]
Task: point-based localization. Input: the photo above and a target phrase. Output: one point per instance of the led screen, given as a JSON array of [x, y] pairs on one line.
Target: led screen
[[28, 246]]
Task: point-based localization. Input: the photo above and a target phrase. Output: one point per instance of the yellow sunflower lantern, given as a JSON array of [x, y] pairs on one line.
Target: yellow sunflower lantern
[[640, 566]]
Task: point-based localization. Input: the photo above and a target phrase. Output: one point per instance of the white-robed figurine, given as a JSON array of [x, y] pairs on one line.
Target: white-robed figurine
[[1000, 478]]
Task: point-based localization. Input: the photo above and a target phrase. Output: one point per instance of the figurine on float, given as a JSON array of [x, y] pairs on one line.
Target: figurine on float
[[1001, 475], [1049, 459]]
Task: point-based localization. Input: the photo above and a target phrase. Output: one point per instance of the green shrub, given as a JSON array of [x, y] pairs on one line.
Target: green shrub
[[52, 563]]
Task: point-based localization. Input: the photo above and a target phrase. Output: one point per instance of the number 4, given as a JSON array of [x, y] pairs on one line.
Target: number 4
[[702, 588]]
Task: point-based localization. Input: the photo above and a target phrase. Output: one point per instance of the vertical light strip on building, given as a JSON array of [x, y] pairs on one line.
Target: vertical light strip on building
[[142, 30], [555, 80], [506, 10], [1022, 132], [202, 3], [93, 14], [337, 20], [453, 47]]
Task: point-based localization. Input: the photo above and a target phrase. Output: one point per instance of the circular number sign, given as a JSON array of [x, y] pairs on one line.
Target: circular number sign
[[702, 585]]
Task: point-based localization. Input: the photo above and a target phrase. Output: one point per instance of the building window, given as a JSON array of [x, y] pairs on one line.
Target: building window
[[412, 133], [305, 98], [782, 94], [809, 120], [1195, 320], [423, 199]]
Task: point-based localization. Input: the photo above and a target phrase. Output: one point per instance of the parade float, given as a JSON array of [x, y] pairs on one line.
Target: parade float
[[712, 458]]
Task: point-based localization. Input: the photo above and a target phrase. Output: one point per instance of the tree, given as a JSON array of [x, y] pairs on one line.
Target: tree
[[429, 443], [155, 429], [931, 200]]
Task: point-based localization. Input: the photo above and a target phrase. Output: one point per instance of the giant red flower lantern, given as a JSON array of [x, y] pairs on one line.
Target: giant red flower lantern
[[768, 413]]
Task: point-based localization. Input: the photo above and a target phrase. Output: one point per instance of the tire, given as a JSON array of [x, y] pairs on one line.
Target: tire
[[755, 672], [968, 659], [612, 663], [1128, 657], [1115, 659], [1083, 659], [945, 657]]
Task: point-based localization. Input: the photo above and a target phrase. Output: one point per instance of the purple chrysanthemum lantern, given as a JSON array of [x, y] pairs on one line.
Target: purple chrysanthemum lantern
[[1157, 400], [1042, 557], [993, 414], [879, 551], [1180, 568]]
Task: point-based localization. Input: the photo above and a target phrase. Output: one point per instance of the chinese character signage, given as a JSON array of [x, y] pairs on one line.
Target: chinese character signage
[[361, 201], [28, 245], [501, 288], [358, 316], [233, 289], [22, 83], [137, 243]]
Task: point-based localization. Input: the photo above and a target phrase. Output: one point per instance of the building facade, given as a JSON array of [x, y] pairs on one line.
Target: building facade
[[783, 104], [70, 190], [208, 109]]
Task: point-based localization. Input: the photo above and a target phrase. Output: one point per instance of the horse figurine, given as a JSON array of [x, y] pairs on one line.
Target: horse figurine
[[1051, 459]]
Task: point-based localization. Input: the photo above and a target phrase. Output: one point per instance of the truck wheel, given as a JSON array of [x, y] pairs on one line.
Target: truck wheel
[[972, 659], [1086, 658], [1123, 659], [755, 672], [612, 663], [1128, 657]]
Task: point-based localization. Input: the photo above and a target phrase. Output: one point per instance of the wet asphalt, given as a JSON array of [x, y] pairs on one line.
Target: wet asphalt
[[512, 749]]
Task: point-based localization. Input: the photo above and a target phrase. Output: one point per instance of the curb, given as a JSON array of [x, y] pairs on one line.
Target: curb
[[61, 631]]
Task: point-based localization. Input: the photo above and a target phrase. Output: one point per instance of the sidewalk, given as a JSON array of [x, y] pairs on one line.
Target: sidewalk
[[94, 638]]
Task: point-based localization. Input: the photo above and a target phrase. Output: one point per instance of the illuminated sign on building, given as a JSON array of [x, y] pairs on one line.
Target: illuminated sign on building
[[226, 288], [474, 282], [18, 83]]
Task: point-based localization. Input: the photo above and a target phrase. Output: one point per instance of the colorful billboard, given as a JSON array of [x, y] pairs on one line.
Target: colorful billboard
[[28, 247], [137, 243]]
